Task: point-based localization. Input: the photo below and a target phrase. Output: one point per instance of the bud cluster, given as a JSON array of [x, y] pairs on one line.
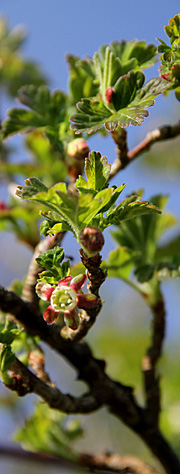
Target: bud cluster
[[65, 299]]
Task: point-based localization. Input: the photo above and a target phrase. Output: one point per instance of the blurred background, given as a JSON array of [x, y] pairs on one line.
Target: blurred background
[[54, 29]]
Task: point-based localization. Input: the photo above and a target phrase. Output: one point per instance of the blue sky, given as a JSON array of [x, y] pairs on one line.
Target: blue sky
[[57, 27]]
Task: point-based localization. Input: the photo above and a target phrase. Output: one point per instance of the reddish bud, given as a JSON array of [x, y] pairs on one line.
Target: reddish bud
[[91, 240], [50, 315], [78, 281], [65, 280], [44, 291], [78, 149], [86, 301], [109, 94]]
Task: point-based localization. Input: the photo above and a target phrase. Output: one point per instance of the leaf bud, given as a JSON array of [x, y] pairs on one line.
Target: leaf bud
[[78, 149], [109, 94], [91, 240]]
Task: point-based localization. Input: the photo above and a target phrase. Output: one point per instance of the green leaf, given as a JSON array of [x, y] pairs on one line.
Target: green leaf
[[76, 211], [47, 431], [129, 106], [81, 80], [51, 258], [52, 262], [97, 171], [6, 359], [120, 263], [48, 111], [33, 186], [129, 208], [170, 67]]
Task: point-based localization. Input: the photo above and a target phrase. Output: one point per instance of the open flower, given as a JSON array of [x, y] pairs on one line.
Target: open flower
[[66, 298]]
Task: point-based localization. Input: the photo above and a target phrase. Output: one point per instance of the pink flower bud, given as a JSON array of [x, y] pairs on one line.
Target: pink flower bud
[[50, 315], [78, 281], [91, 240], [109, 94], [86, 301], [78, 149], [44, 291], [65, 280]]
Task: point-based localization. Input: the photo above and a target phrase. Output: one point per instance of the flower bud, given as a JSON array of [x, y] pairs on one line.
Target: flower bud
[[109, 94], [65, 280], [91, 240], [86, 301], [44, 291], [78, 149], [78, 281], [50, 315]]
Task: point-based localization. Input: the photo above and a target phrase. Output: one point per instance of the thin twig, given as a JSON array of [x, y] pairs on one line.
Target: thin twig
[[163, 133], [151, 379], [101, 462]]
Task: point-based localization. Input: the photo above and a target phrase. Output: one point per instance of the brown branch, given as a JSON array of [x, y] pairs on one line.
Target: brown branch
[[24, 382], [115, 463], [100, 462], [28, 293], [117, 397], [163, 133], [151, 379]]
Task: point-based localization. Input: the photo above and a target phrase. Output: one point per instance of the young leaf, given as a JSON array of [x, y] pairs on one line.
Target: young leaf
[[97, 171], [170, 67], [47, 431], [120, 263], [47, 111], [129, 108]]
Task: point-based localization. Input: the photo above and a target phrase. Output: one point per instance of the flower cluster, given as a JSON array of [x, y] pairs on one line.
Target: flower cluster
[[65, 299]]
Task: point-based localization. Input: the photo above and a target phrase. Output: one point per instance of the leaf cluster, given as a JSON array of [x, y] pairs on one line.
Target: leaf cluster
[[94, 205], [170, 68], [51, 261], [141, 249], [118, 68]]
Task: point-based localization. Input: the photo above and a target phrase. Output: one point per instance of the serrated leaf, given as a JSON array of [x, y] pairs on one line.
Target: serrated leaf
[[48, 111], [93, 113], [97, 171], [52, 257], [128, 210], [81, 80], [170, 67]]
